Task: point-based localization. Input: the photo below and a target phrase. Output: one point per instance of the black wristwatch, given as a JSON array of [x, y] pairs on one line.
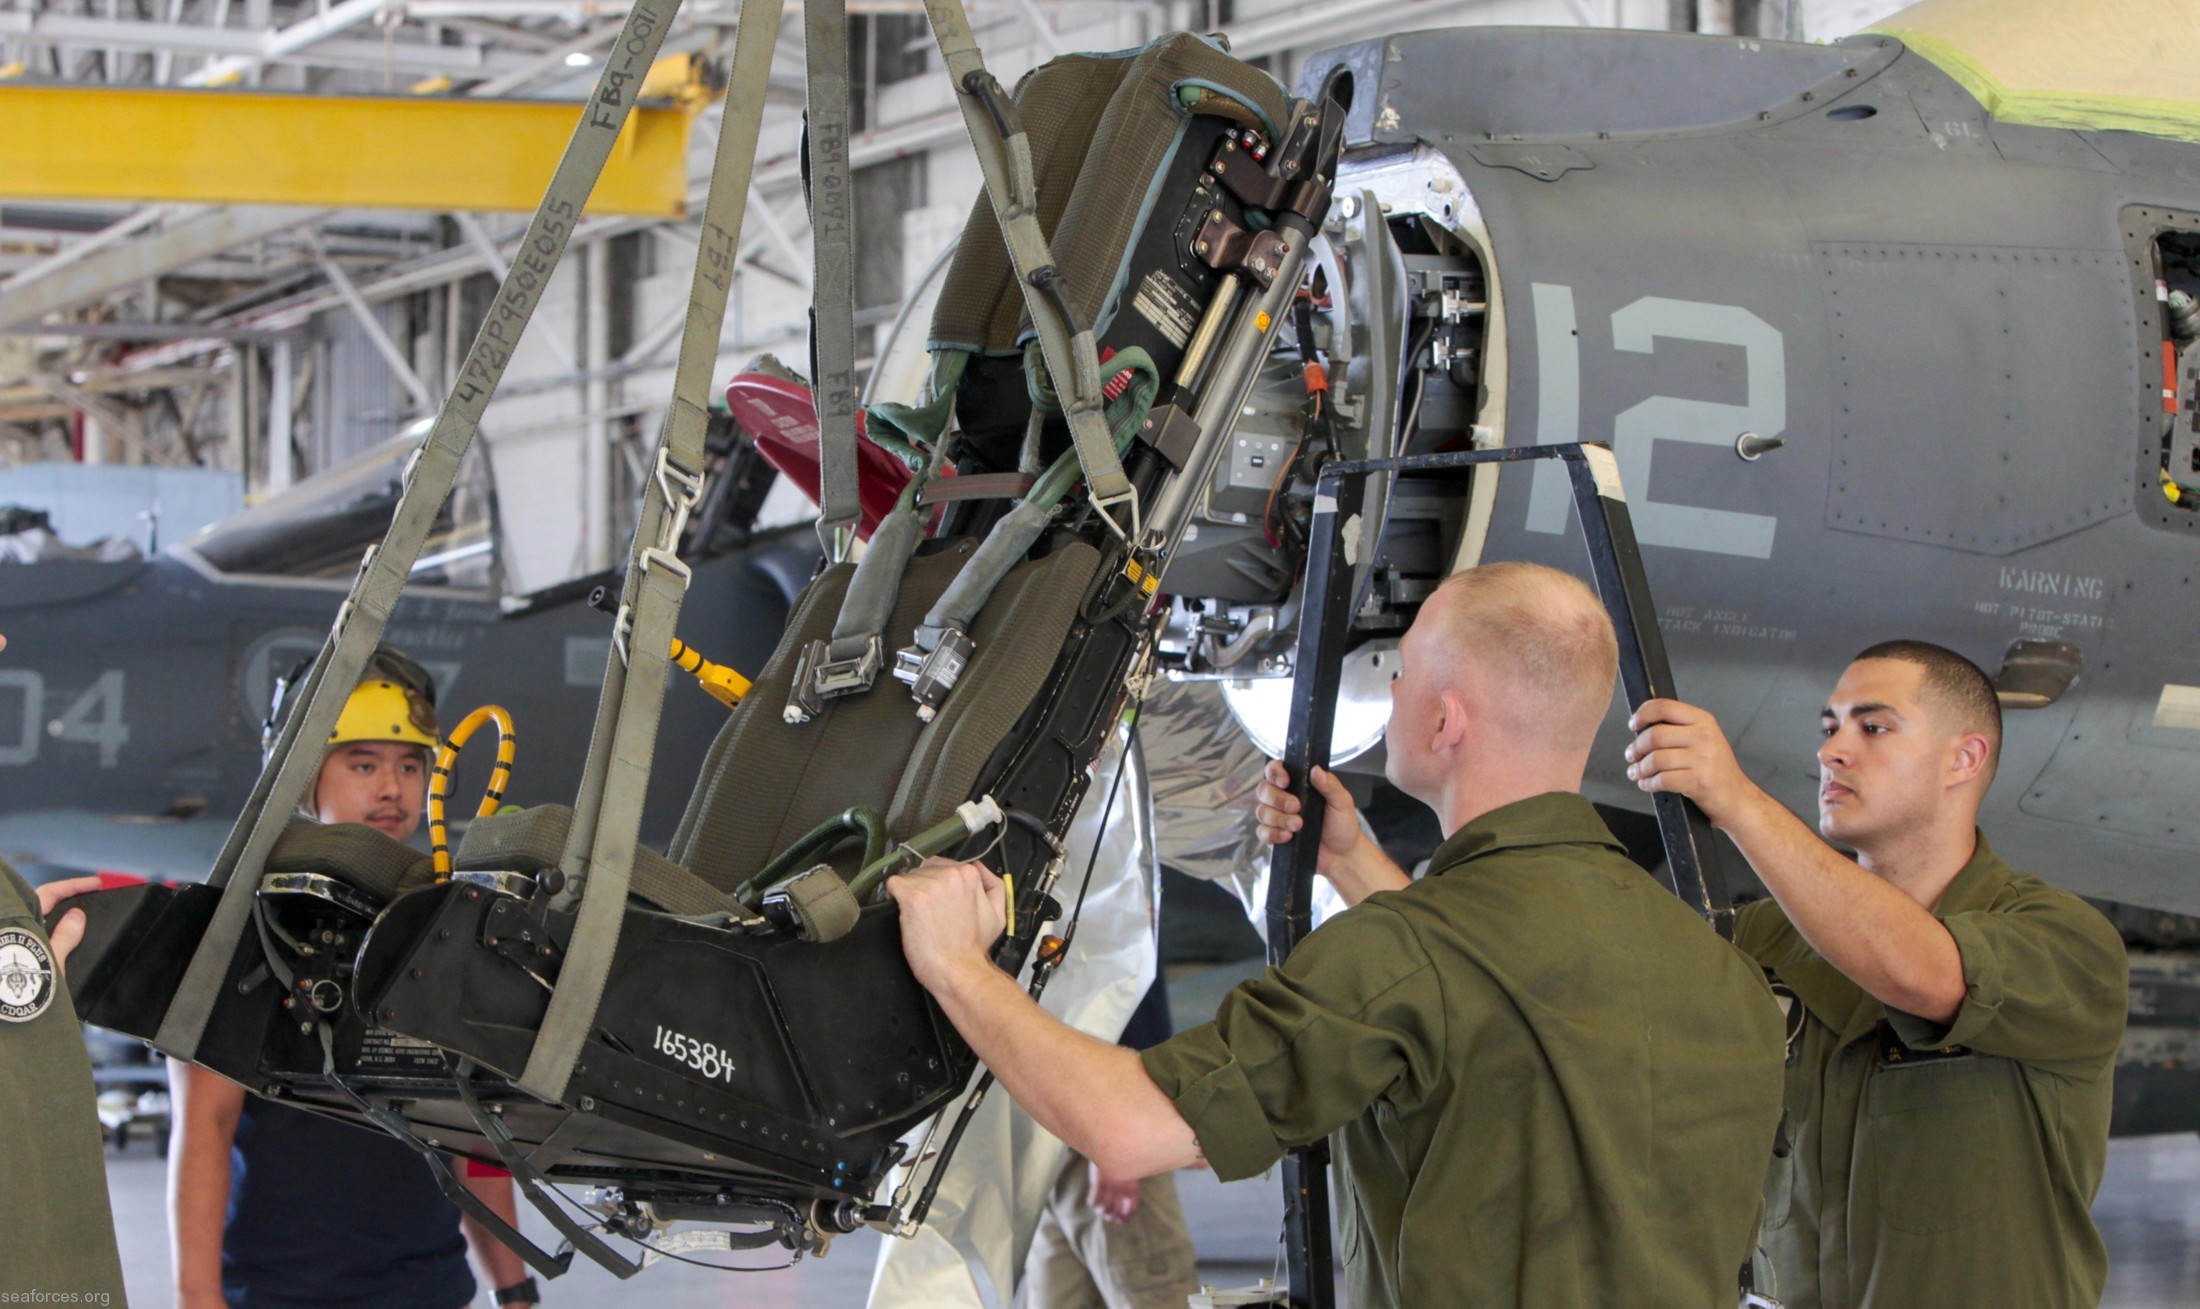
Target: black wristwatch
[[522, 1291]]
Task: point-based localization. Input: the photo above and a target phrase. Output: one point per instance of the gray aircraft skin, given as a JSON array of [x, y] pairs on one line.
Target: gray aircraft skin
[[1670, 242], [132, 694], [1950, 321]]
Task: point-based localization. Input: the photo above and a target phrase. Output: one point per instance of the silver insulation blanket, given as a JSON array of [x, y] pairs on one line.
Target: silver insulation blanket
[[971, 1249], [1203, 770]]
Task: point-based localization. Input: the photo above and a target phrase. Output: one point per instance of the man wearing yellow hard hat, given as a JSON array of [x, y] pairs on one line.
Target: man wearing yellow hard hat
[[376, 768], [272, 1207]]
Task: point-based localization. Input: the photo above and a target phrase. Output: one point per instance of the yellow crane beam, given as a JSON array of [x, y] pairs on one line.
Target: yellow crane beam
[[342, 152]]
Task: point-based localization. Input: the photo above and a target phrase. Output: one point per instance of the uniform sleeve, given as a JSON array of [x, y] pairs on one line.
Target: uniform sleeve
[[1762, 932], [17, 897], [1303, 1049], [2045, 979]]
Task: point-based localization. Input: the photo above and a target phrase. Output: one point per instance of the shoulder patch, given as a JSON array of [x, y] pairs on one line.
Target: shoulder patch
[[26, 976]]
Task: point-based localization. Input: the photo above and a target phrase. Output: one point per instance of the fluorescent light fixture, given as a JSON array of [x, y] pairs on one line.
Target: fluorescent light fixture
[[579, 59]]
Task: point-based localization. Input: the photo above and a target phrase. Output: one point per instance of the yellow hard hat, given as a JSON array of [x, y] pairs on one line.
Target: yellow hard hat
[[382, 710]]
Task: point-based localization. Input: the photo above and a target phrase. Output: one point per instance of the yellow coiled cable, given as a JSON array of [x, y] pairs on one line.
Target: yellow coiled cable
[[440, 782]]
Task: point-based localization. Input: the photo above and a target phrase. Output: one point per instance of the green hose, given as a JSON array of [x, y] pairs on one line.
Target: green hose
[[909, 431], [936, 839], [813, 845]]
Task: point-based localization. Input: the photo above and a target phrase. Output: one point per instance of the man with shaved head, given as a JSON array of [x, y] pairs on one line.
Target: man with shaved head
[[1549, 1083], [1955, 1023]]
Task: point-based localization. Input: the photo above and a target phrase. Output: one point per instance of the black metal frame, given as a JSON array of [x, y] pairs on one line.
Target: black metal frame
[[1615, 564]]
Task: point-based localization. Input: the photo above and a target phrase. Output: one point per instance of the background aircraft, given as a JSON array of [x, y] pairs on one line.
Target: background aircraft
[[132, 694]]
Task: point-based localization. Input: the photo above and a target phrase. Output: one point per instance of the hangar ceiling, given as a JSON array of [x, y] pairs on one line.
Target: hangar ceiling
[[236, 317]]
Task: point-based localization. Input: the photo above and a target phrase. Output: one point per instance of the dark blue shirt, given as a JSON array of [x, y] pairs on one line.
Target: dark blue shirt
[[323, 1215]]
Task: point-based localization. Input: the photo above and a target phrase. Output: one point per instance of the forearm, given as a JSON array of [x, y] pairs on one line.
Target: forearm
[[198, 1177], [499, 1266], [1878, 936], [1365, 871], [1094, 1096]]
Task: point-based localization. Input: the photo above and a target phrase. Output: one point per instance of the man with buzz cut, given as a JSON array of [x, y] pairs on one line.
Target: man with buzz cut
[[1549, 1083], [1949, 1078]]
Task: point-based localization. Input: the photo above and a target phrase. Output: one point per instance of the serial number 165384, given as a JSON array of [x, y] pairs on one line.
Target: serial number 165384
[[701, 1056]]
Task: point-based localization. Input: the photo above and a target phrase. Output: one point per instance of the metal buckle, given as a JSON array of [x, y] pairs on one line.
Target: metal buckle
[[344, 610], [819, 677], [931, 675], [622, 632], [1100, 506], [681, 489]]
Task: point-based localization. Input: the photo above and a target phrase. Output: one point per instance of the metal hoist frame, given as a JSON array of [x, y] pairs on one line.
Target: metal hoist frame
[[1615, 565]]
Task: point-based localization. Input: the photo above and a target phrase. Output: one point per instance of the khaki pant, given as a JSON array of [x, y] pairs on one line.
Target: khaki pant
[[1081, 1261]]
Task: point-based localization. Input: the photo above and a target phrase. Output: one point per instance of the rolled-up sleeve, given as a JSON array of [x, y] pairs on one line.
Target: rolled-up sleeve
[[2044, 979], [1303, 1049]]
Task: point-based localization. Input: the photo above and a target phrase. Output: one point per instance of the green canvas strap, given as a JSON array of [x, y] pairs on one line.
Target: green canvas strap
[[833, 259], [850, 662], [607, 814], [296, 758], [1004, 154]]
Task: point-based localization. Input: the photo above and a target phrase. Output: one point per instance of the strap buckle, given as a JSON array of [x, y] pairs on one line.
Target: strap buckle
[[1101, 504], [681, 489], [931, 674], [622, 632], [819, 677]]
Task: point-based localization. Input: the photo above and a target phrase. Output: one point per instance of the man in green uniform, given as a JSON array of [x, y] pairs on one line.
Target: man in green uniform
[[57, 1236], [1551, 1084], [1948, 1096]]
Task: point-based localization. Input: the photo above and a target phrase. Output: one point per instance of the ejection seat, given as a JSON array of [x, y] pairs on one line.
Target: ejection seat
[[759, 1047]]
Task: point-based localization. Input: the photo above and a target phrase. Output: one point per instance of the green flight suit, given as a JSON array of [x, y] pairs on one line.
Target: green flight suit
[[1550, 1083], [57, 1234], [1951, 1165]]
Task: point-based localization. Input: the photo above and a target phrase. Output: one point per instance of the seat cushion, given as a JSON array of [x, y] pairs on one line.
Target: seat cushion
[[1019, 636], [530, 840], [766, 781], [355, 854]]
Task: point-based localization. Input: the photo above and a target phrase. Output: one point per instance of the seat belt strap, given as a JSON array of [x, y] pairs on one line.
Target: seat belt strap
[[849, 663], [1004, 154], [832, 276], [290, 769], [607, 813]]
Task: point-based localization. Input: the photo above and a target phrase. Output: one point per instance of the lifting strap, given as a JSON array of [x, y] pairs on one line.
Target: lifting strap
[[290, 769], [832, 277], [607, 814], [1004, 154]]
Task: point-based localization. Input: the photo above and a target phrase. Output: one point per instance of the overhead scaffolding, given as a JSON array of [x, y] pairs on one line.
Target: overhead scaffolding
[[326, 152]]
